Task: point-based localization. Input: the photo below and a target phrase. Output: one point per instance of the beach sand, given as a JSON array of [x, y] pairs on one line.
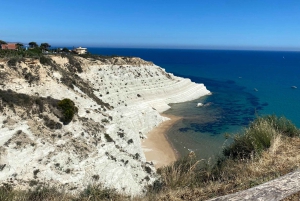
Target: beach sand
[[156, 146]]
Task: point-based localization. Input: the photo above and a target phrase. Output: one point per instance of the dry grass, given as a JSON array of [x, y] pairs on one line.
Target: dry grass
[[235, 175], [181, 173], [92, 193]]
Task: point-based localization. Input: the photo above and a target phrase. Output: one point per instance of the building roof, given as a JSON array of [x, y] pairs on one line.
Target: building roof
[[80, 48], [9, 46]]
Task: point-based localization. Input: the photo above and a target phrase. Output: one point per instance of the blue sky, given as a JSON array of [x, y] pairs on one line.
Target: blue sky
[[217, 24]]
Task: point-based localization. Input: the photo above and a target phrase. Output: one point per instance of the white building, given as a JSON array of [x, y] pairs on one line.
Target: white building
[[80, 50]]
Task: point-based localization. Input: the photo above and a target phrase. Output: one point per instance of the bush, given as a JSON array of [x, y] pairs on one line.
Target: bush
[[34, 51], [104, 120], [68, 110], [51, 124], [75, 66], [259, 135], [31, 78], [282, 124], [45, 61], [108, 138], [12, 62]]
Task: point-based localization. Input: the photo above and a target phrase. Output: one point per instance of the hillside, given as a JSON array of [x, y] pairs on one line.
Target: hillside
[[117, 101]]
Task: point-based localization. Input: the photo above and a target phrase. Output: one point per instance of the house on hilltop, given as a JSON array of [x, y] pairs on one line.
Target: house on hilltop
[[80, 50], [9, 46]]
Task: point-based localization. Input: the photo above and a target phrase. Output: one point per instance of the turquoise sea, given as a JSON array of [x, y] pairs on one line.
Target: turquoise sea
[[244, 84]]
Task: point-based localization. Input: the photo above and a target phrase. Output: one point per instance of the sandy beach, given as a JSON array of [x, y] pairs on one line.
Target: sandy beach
[[156, 146]]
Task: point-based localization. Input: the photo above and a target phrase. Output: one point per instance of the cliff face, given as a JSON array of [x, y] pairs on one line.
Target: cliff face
[[118, 101]]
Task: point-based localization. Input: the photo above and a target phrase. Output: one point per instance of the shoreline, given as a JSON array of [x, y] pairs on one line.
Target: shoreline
[[157, 147]]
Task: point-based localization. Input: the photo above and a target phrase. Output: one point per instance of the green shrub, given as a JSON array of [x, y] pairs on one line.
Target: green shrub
[[68, 110], [104, 120], [282, 124], [34, 51], [108, 138], [259, 135], [45, 61], [12, 62], [31, 78]]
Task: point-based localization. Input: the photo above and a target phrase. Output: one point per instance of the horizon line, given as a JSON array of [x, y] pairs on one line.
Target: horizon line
[[179, 47], [190, 48]]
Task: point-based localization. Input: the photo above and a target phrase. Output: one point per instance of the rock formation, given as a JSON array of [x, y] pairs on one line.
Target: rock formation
[[118, 100]]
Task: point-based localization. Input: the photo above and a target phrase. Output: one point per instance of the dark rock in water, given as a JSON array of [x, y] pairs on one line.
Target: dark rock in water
[[184, 129], [230, 82], [259, 108], [254, 103]]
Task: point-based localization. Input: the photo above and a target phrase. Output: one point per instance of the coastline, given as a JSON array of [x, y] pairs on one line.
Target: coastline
[[157, 148]]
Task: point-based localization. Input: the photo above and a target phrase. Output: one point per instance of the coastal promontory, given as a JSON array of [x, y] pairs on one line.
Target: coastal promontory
[[71, 121]]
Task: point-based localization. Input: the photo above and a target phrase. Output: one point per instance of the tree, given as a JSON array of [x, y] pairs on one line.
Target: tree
[[19, 46], [33, 44], [2, 42], [65, 49], [45, 46]]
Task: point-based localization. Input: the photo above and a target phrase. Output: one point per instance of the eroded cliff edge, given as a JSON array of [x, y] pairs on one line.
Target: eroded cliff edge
[[118, 99]]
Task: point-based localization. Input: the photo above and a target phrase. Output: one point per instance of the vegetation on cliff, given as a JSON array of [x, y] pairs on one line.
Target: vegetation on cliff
[[68, 110], [258, 137]]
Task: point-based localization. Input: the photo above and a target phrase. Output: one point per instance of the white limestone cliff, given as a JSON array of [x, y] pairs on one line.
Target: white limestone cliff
[[118, 99]]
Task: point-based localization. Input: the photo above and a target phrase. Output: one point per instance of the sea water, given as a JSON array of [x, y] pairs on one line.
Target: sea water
[[244, 84]]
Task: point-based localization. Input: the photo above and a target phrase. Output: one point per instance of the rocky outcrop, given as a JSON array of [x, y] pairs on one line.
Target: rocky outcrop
[[118, 99]]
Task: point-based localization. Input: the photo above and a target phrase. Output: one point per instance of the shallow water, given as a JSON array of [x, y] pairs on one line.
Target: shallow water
[[202, 129]]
